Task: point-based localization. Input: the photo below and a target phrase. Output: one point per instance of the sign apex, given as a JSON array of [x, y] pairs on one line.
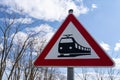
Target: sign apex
[[70, 11]]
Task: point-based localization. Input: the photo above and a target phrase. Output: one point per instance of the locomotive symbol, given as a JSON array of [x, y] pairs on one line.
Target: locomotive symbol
[[68, 47]]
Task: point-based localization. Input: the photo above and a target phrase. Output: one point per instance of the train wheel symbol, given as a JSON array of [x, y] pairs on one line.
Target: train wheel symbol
[[69, 47]]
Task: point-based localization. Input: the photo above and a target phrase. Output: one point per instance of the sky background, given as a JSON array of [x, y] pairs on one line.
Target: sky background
[[100, 17]]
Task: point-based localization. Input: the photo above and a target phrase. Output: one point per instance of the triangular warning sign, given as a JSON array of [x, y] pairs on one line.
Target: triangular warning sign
[[72, 45]]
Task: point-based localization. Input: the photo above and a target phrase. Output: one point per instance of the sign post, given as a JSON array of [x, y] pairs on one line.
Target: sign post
[[70, 73], [70, 70]]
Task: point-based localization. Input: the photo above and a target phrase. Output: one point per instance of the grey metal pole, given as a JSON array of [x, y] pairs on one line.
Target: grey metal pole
[[70, 70], [70, 73]]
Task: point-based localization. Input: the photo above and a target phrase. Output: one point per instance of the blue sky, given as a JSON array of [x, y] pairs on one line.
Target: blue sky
[[100, 17], [103, 22]]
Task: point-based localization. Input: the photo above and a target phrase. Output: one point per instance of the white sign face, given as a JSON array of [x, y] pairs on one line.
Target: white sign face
[[71, 45]]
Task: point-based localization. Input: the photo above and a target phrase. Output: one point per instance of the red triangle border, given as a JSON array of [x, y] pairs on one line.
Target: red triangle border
[[104, 59]]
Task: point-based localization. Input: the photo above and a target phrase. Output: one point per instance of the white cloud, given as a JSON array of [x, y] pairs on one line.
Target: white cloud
[[1, 47], [94, 6], [42, 27], [44, 30], [20, 38], [43, 33], [117, 46], [117, 63], [105, 46], [24, 20], [47, 9], [18, 20]]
